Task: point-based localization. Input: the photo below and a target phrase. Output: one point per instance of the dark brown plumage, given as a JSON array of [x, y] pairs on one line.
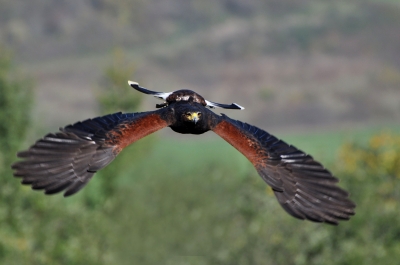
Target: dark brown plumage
[[67, 160]]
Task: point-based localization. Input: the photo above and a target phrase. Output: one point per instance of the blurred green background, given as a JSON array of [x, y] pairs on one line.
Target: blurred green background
[[322, 75]]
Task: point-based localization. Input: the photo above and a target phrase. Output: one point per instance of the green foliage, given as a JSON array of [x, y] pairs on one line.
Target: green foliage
[[379, 158], [191, 202], [36, 229], [373, 178], [15, 102], [220, 212], [113, 93], [210, 209]]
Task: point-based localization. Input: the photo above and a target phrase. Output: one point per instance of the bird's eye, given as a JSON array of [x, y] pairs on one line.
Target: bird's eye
[[199, 114], [188, 114]]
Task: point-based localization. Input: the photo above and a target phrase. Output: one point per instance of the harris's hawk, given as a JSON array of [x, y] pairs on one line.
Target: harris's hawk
[[67, 160]]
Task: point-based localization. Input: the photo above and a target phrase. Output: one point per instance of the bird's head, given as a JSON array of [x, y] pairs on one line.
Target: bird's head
[[191, 116]]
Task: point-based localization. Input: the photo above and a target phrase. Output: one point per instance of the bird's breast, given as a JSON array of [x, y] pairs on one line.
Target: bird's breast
[[189, 128]]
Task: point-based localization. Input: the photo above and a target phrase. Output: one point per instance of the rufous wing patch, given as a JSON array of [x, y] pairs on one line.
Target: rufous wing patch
[[243, 142], [130, 132]]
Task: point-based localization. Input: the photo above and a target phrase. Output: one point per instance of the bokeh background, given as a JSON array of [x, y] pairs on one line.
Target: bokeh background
[[322, 75]]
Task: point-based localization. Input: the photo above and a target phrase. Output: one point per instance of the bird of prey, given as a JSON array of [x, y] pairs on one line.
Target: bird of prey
[[67, 160]]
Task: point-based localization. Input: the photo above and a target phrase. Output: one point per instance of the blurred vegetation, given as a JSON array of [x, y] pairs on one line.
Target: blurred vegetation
[[40, 29], [388, 78], [343, 53], [15, 103], [38, 229], [113, 95], [178, 203], [219, 212], [113, 92], [35, 229], [266, 94], [372, 172], [197, 203]]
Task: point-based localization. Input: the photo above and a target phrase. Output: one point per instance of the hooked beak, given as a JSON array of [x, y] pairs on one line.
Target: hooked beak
[[193, 116], [195, 119]]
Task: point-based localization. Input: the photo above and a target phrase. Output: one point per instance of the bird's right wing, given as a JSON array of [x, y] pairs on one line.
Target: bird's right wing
[[68, 159], [303, 187]]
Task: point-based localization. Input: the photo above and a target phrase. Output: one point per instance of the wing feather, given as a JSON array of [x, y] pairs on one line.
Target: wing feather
[[303, 187], [68, 159]]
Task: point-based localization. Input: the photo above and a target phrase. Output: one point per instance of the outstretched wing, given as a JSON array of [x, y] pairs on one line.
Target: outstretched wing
[[68, 159], [303, 187]]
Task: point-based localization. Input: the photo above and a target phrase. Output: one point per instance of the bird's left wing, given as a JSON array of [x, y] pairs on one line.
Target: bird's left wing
[[68, 159], [303, 187]]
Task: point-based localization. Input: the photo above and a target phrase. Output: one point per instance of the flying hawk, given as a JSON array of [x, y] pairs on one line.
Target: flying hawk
[[67, 160]]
